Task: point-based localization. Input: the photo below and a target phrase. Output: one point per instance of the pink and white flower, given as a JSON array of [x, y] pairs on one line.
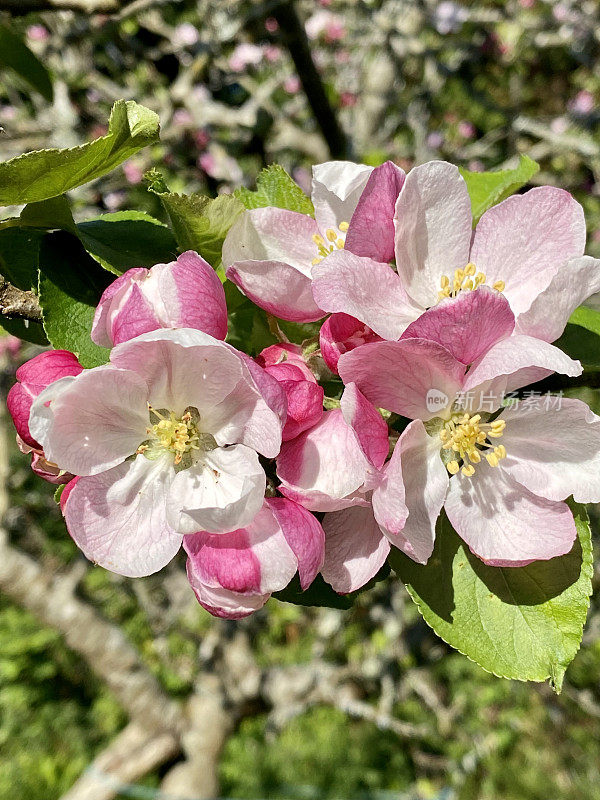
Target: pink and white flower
[[502, 474], [33, 378], [234, 574], [286, 364], [270, 253], [186, 293], [165, 439], [528, 250]]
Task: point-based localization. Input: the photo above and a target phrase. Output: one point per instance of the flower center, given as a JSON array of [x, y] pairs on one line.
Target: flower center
[[467, 439], [467, 279], [332, 241], [179, 436]]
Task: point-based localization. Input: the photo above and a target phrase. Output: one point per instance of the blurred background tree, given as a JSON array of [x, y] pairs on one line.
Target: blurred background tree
[[112, 687]]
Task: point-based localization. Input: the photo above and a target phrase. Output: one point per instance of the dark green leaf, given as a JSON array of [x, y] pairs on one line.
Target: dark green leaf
[[51, 215], [24, 329], [42, 174], [486, 189], [274, 187], [15, 55], [127, 239], [320, 593], [70, 286], [248, 329], [517, 622], [19, 248], [583, 344]]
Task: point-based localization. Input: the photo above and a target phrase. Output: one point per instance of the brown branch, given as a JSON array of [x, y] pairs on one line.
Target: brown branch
[[18, 8], [294, 38], [132, 754], [17, 303]]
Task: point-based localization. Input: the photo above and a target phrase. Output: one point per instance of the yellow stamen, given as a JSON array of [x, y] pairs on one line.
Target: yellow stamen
[[331, 234], [499, 286], [343, 226], [467, 280], [470, 439]]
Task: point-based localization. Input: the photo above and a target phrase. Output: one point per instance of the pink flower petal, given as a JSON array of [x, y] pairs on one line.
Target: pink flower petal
[[553, 448], [118, 518], [468, 325], [369, 426], [271, 235], [33, 377], [344, 282], [305, 407], [524, 240], [411, 496], [196, 293], [503, 523], [512, 363], [222, 492], [94, 423], [550, 311], [371, 231], [403, 376], [341, 333], [355, 548], [303, 533], [336, 189], [278, 288], [324, 462], [433, 229]]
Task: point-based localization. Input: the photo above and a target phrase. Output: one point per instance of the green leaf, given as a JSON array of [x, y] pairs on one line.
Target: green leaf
[[50, 215], [587, 318], [274, 187], [42, 174], [199, 223], [582, 343], [486, 189], [25, 329], [524, 623], [15, 55], [320, 593], [70, 286], [248, 329], [19, 249], [127, 239]]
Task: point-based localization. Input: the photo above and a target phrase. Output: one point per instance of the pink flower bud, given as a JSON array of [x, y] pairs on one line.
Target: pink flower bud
[[186, 293], [32, 378], [286, 364], [341, 333]]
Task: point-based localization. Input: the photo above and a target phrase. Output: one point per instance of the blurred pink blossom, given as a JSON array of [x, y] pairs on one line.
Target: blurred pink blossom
[[272, 53], [466, 129], [582, 103], [182, 117], [133, 172], [186, 34], [217, 163], [271, 25], [435, 140], [114, 200], [448, 17], [327, 24], [348, 99], [37, 33], [10, 346], [292, 84], [559, 125], [245, 55]]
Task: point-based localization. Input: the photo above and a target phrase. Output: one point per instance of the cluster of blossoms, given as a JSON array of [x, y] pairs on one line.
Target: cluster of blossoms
[[182, 440]]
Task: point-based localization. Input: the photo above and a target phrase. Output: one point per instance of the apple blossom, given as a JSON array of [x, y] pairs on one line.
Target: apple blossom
[[270, 253], [34, 377], [186, 293], [501, 473], [528, 250], [234, 574], [285, 363], [165, 439]]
